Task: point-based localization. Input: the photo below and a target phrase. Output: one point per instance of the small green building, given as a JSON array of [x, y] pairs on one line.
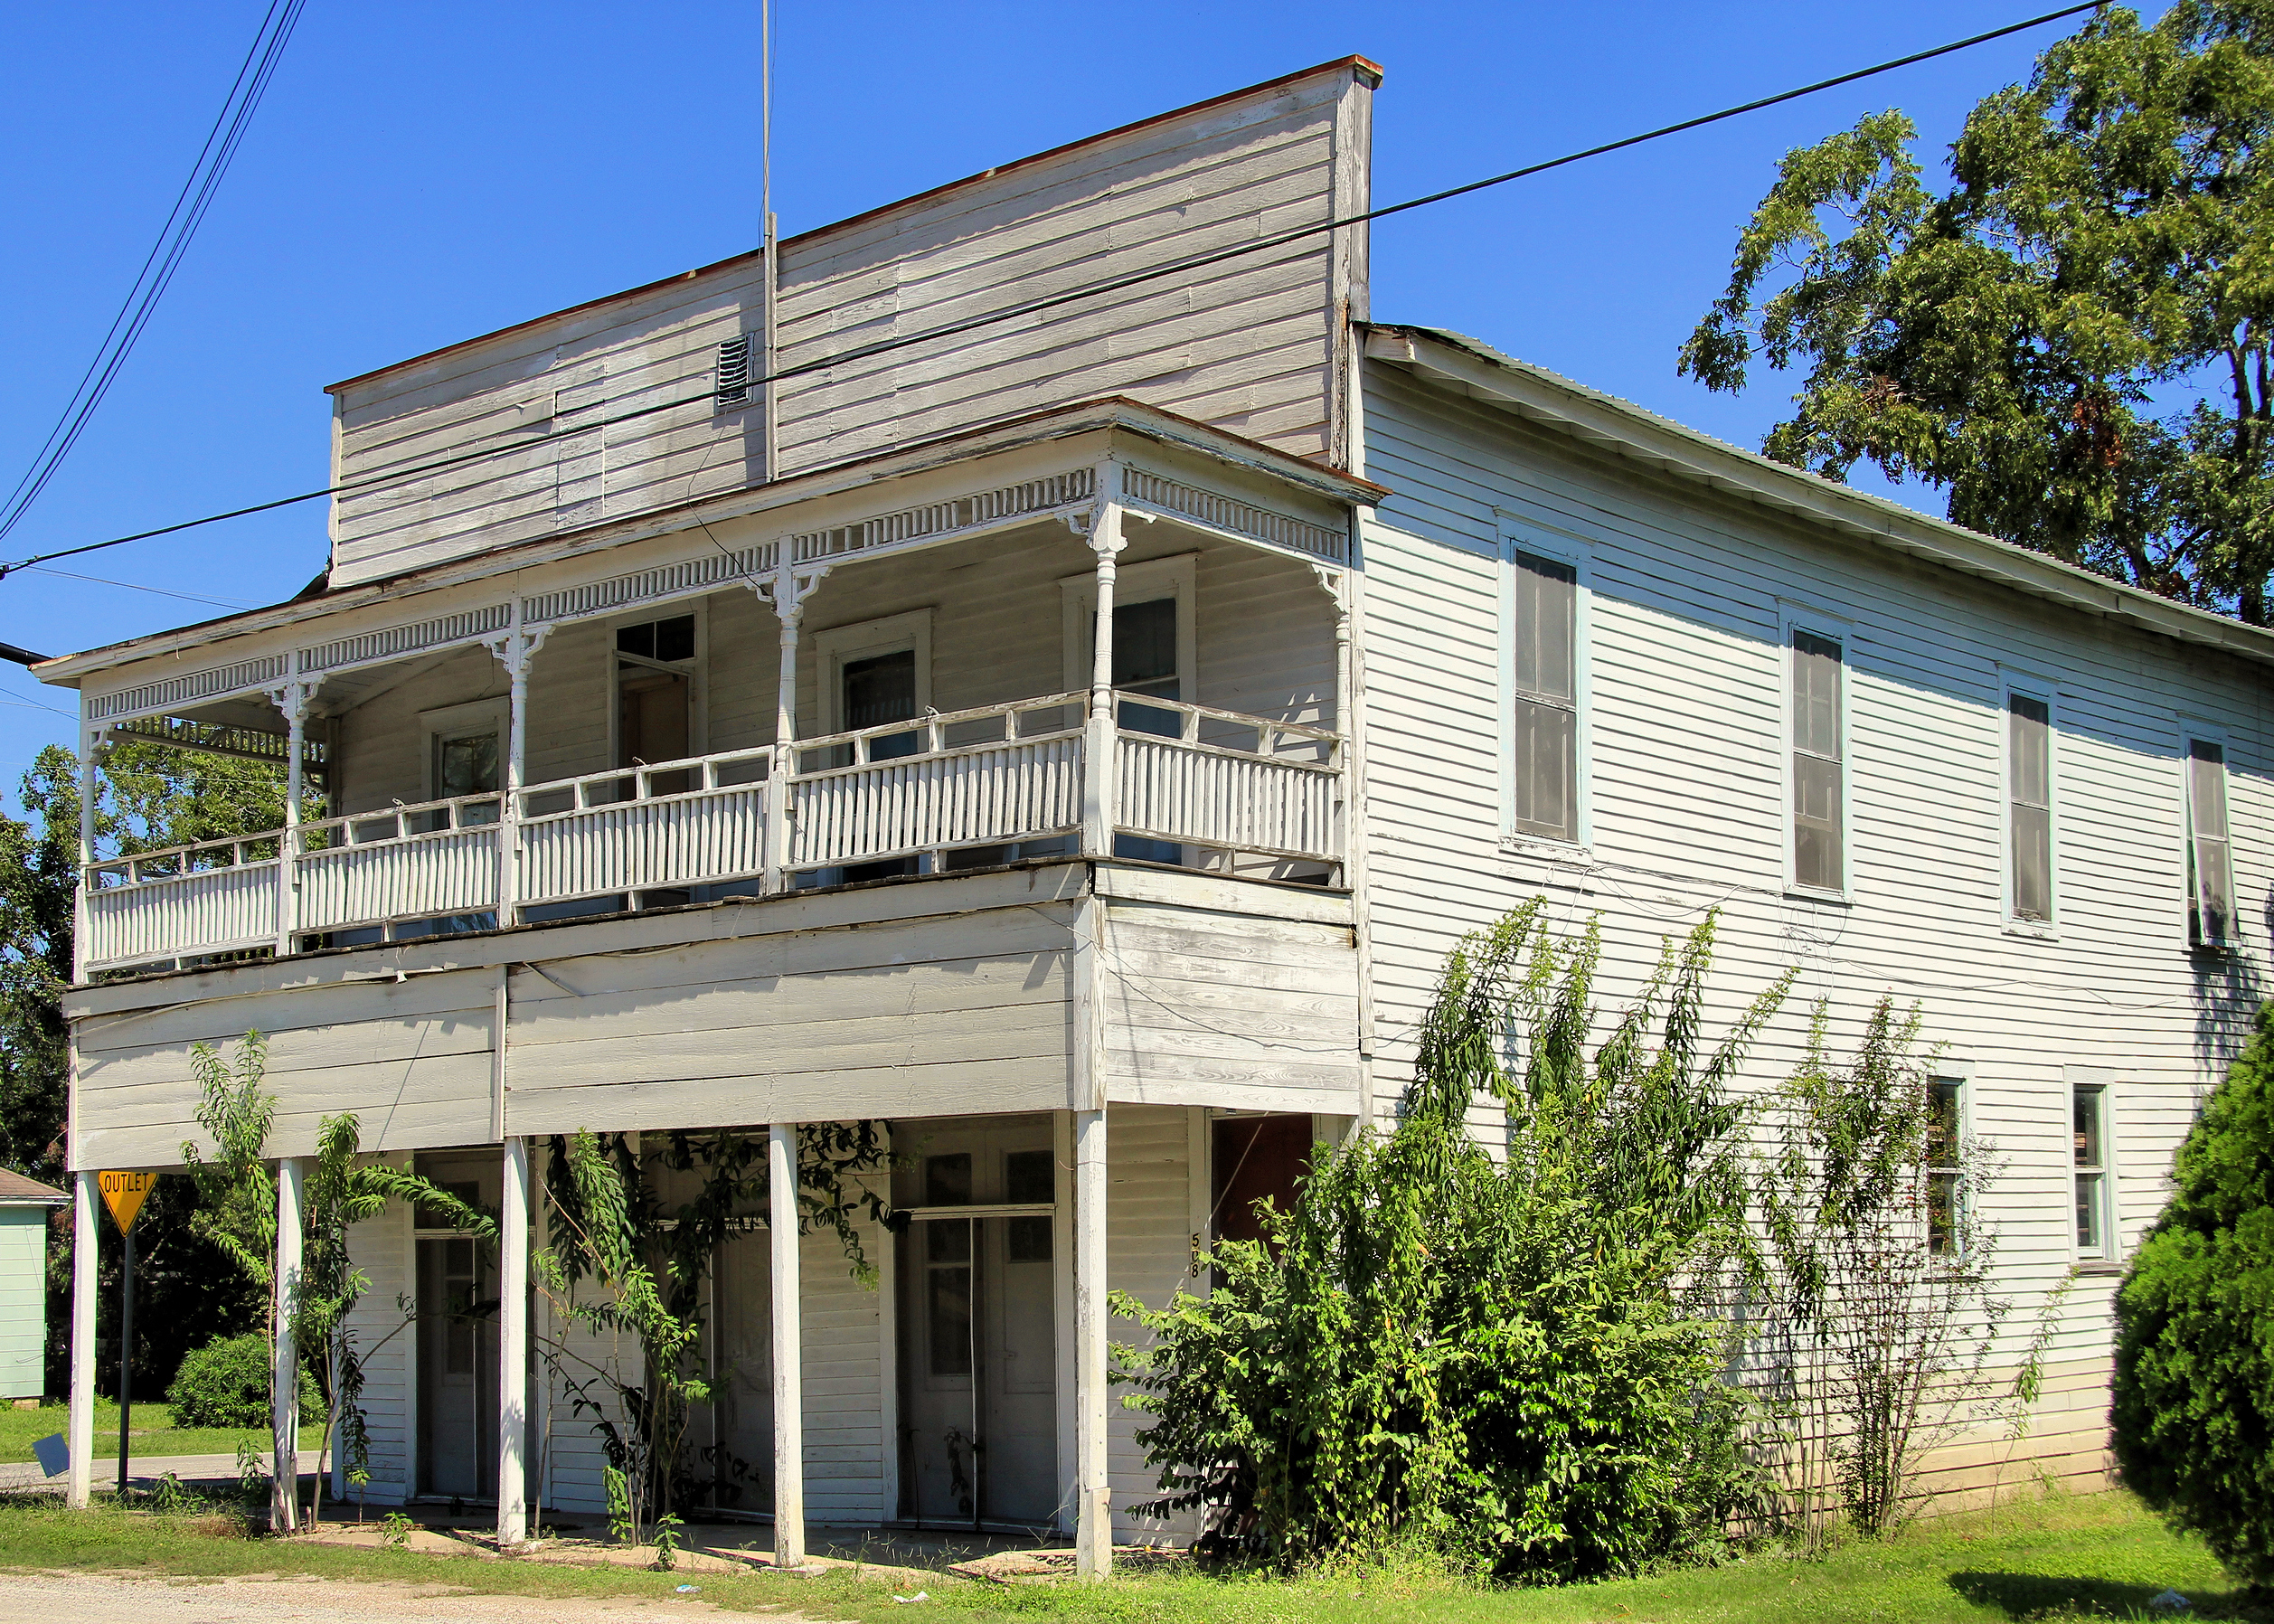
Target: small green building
[[24, 1207]]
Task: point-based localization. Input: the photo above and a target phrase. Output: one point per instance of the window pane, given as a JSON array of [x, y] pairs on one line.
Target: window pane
[[1547, 606], [947, 1318], [1816, 695], [2032, 862], [1815, 822], [948, 1180], [1026, 1240], [1942, 1212], [2086, 1139], [1028, 1176], [880, 689], [2030, 727], [1144, 646], [675, 638], [1547, 769], [1942, 1125], [466, 766], [2089, 1236], [2214, 892]]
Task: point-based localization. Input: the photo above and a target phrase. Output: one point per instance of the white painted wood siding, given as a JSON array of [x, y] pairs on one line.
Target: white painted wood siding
[[1252, 344], [1687, 800], [23, 1302], [382, 1249], [1149, 1255]]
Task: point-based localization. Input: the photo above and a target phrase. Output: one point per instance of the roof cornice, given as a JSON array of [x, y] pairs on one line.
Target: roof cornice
[[1629, 431]]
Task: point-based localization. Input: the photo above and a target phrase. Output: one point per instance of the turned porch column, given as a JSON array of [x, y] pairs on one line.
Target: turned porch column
[[90, 746], [295, 699], [786, 592], [515, 651], [1098, 796]]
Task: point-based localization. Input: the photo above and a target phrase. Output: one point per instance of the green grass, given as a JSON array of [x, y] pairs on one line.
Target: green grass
[[154, 1433], [2087, 1557]]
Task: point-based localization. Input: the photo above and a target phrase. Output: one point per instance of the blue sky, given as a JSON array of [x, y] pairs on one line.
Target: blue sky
[[422, 173]]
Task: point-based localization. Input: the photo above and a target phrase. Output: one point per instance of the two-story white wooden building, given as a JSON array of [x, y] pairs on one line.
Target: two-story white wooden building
[[1066, 713]]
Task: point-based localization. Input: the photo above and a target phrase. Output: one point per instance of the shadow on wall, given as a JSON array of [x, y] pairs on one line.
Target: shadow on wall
[[2228, 989]]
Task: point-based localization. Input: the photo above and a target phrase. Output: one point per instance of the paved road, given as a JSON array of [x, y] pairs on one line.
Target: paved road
[[44, 1597], [142, 1471]]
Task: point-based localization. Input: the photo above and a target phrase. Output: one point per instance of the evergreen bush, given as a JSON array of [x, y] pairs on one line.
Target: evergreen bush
[[225, 1384], [2193, 1414]]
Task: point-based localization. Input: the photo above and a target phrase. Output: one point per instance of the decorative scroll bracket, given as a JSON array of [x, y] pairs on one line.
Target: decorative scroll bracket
[[515, 648], [294, 697], [786, 590]]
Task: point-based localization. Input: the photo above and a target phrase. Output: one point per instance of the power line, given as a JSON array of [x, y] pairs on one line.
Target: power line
[[1111, 284], [133, 586], [165, 258]]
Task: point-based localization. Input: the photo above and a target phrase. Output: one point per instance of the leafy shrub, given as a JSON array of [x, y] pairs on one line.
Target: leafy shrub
[[2193, 1403], [1497, 1359], [225, 1384]]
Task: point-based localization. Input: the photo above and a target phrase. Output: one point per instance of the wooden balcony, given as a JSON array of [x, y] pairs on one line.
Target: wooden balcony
[[1213, 790]]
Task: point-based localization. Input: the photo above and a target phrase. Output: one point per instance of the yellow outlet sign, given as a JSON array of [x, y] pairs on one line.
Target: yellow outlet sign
[[124, 1193]]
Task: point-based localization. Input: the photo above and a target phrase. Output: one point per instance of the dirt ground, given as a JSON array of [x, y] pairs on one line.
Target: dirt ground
[[45, 1598]]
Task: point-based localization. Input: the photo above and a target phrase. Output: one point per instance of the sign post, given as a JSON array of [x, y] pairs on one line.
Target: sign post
[[124, 1193]]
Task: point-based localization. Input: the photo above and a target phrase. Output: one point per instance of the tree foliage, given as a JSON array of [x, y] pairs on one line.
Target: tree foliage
[[1501, 1358], [2192, 1415], [2072, 339]]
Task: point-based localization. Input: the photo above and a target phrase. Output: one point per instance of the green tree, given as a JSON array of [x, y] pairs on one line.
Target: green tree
[[2192, 1415], [2072, 340]]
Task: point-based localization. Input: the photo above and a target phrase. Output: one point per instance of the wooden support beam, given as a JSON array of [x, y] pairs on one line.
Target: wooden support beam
[[789, 1422], [513, 1348], [85, 1283], [284, 1389], [1093, 1510]]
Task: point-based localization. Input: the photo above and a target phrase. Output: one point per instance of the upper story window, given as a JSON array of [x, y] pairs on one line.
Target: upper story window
[[2210, 864], [1819, 763], [2029, 821], [1547, 697]]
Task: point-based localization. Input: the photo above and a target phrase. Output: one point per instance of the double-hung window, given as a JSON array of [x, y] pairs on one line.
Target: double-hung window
[[2029, 833], [2088, 1139], [1546, 683], [1946, 1182], [1819, 751], [2210, 868]]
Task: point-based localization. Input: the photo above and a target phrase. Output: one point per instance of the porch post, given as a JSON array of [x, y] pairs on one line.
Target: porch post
[[512, 1348], [788, 1351], [84, 1202], [1097, 797], [1093, 1509], [788, 593], [283, 1389], [516, 772], [91, 745], [294, 699]]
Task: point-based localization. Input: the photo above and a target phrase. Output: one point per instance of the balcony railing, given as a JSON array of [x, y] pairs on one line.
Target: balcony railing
[[931, 793]]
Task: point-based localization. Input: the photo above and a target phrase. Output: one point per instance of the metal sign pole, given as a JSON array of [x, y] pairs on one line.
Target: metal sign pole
[[126, 1355]]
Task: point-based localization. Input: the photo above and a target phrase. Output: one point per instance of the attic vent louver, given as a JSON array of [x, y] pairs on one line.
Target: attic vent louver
[[730, 386]]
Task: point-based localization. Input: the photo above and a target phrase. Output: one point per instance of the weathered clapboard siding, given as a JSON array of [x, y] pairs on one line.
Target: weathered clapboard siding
[[411, 1058], [1213, 1007], [381, 1248], [967, 1014], [1149, 1170], [1254, 344], [1263, 645], [844, 1381], [1687, 805]]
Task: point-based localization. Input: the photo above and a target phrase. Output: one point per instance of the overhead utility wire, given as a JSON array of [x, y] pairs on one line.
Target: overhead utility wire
[[165, 258], [1113, 284]]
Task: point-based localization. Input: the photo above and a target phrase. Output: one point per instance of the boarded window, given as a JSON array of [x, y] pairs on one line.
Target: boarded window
[[1546, 681], [2209, 870], [2028, 777], [1818, 813]]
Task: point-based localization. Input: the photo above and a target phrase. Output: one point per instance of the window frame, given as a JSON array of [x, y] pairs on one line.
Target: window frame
[[467, 721], [697, 667], [838, 646], [2193, 731], [1176, 576], [1960, 1082], [1792, 619], [2028, 684], [1516, 536], [2102, 1084]]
